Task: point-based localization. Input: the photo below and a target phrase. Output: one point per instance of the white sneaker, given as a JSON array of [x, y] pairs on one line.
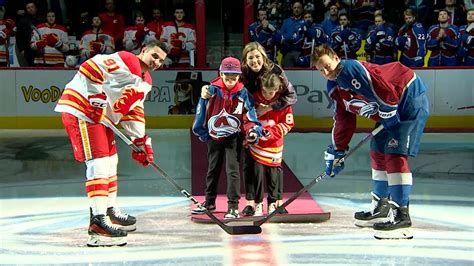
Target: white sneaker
[[272, 207], [258, 209]]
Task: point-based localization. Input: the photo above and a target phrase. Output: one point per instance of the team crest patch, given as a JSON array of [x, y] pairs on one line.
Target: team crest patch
[[393, 143]]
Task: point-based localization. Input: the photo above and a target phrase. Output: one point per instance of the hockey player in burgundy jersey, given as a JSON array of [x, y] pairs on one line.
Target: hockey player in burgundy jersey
[[443, 41], [111, 87], [394, 96]]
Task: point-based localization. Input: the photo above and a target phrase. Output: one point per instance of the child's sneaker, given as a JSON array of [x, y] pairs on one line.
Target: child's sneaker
[[202, 209], [272, 207], [248, 211], [258, 209], [232, 213]]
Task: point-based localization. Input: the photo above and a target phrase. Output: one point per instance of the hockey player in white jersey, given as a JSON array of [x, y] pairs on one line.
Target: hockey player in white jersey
[[111, 87], [135, 37], [50, 41]]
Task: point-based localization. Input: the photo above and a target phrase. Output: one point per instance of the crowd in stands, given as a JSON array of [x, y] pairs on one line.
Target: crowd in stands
[[73, 31], [386, 31]]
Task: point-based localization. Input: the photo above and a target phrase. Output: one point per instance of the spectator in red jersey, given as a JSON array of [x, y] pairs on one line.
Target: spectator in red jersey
[[156, 25], [113, 23]]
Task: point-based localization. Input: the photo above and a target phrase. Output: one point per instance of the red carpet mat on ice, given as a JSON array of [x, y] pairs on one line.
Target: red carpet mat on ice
[[302, 210]]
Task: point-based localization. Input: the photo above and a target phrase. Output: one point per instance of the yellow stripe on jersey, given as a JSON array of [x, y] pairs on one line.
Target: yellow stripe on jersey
[[133, 118], [85, 140], [269, 149], [72, 104], [91, 71]]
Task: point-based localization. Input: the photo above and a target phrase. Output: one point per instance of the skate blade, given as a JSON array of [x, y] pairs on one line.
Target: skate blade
[[369, 223], [402, 233], [104, 241], [128, 228]]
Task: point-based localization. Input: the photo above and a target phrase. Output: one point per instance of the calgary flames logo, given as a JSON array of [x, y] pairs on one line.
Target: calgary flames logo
[[223, 124]]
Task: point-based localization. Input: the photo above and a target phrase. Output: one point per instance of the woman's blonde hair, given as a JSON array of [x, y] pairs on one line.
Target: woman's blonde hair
[[267, 63]]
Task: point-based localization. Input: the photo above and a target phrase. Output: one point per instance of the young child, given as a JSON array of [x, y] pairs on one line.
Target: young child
[[268, 152], [220, 121]]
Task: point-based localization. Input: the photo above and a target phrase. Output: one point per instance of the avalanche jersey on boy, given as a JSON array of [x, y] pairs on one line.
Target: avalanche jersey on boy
[[369, 90], [109, 74], [222, 115]]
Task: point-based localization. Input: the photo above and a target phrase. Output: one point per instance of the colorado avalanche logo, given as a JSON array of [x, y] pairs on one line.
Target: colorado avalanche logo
[[361, 107], [223, 124]]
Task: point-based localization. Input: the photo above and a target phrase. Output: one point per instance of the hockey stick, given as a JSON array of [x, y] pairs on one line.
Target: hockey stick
[[318, 178], [232, 230]]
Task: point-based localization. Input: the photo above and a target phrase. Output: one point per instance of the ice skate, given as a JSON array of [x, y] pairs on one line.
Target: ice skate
[[125, 221], [397, 227], [103, 233], [378, 213]]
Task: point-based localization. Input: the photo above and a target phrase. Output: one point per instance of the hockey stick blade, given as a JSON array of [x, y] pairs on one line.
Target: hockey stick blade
[[231, 230], [316, 179]]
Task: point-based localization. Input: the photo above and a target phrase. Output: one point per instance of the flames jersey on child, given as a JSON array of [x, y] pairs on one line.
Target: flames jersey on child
[[51, 52], [370, 90], [110, 74], [222, 115], [7, 29], [269, 149]]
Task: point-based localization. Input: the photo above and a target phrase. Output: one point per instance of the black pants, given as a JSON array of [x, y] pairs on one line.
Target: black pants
[[228, 149], [254, 175]]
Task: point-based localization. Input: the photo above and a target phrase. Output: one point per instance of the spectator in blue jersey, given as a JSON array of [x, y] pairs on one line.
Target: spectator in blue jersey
[[293, 35], [394, 96], [466, 50], [379, 44], [264, 32], [220, 122], [330, 23], [344, 39], [411, 41], [443, 41], [314, 36]]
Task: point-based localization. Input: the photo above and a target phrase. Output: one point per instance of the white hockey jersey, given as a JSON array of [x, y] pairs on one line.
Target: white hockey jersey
[[131, 44], [181, 40], [50, 55], [5, 33], [88, 37], [119, 76]]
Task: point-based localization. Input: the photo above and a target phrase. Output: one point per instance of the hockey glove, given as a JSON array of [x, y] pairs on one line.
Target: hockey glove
[[53, 40], [145, 157], [40, 45], [389, 120], [98, 103], [334, 161], [4, 35], [140, 33]]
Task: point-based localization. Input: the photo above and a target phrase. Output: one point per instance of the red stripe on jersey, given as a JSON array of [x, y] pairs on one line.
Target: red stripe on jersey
[[92, 72]]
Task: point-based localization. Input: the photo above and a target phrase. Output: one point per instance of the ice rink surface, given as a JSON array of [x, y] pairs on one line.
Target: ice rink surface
[[44, 210]]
